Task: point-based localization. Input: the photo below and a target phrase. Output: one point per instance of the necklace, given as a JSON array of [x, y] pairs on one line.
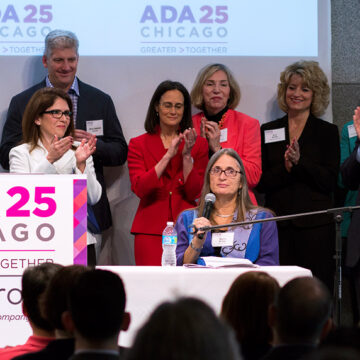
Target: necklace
[[222, 120], [224, 216]]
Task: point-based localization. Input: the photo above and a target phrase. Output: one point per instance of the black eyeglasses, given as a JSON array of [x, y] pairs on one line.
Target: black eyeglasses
[[229, 172], [57, 114]]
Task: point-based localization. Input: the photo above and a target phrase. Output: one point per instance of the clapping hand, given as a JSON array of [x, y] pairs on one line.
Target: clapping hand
[[189, 138], [174, 146], [292, 155], [84, 150], [211, 130], [58, 148], [202, 127], [356, 119]]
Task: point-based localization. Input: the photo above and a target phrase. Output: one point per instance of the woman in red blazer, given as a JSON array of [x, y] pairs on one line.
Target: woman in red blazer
[[216, 93], [166, 167]]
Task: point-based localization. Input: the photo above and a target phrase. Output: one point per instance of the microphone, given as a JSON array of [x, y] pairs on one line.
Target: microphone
[[209, 203]]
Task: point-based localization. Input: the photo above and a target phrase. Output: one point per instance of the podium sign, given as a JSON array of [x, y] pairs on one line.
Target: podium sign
[[43, 218]]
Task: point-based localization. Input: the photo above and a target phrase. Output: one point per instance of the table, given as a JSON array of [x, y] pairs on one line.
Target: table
[[148, 286]]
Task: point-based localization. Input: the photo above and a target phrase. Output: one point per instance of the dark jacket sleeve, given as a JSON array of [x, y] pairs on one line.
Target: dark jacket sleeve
[[274, 174], [12, 132], [321, 176], [350, 170]]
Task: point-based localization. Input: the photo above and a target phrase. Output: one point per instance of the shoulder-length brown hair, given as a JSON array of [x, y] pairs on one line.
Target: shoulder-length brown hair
[[245, 306], [204, 74], [244, 203], [152, 117], [40, 102], [313, 77]]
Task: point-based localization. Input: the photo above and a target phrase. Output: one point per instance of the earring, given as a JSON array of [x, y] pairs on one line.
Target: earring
[[239, 191], [157, 114]]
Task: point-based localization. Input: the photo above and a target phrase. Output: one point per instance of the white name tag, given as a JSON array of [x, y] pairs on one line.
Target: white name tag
[[351, 131], [223, 135], [222, 239], [274, 135], [95, 127]]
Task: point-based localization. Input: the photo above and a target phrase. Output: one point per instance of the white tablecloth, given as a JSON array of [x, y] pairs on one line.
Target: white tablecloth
[[148, 286]]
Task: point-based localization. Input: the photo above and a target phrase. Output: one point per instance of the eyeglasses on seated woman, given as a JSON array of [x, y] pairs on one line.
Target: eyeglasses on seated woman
[[225, 178]]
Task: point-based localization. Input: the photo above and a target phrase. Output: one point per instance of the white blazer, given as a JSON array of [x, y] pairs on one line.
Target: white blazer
[[24, 162]]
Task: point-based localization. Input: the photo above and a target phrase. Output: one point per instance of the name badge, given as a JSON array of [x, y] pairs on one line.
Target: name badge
[[222, 239], [223, 135], [95, 127], [351, 131], [274, 135]]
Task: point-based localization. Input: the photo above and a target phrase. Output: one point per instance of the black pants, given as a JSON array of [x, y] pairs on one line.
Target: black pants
[[355, 291], [312, 248], [91, 255]]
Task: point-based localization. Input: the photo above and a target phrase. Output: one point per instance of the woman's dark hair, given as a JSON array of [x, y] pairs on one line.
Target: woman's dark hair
[[152, 117], [186, 329], [245, 307], [38, 103]]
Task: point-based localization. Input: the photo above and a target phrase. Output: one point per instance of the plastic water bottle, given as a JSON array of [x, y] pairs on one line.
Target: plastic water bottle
[[169, 241]]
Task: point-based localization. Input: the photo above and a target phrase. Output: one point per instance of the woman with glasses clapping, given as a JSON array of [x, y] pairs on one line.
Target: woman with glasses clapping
[[166, 167], [48, 148], [225, 178]]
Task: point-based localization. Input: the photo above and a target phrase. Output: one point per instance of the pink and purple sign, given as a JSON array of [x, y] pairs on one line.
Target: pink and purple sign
[[43, 218]]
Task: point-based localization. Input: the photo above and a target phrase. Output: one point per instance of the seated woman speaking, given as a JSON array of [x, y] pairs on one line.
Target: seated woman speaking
[[225, 178]]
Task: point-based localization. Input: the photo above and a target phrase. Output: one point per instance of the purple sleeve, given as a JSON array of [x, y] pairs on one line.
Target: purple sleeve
[[182, 240], [269, 244]]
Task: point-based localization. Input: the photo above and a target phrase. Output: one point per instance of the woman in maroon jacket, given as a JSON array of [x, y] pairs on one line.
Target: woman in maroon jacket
[[166, 166]]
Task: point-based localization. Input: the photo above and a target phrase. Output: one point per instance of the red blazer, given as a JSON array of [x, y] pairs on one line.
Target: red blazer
[[163, 199], [244, 137]]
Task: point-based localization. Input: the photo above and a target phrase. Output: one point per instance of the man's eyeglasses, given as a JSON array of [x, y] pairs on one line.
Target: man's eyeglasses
[[229, 172], [57, 114], [168, 106]]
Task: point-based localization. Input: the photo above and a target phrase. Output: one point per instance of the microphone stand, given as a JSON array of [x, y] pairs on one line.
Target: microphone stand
[[338, 217]]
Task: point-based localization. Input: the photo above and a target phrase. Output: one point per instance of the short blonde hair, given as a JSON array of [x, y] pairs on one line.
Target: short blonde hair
[[196, 94], [313, 77]]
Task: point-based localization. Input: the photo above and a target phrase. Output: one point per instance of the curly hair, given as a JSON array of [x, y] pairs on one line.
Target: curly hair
[[313, 77], [204, 74]]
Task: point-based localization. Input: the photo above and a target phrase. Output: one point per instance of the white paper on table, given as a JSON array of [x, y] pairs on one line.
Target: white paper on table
[[215, 262]]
